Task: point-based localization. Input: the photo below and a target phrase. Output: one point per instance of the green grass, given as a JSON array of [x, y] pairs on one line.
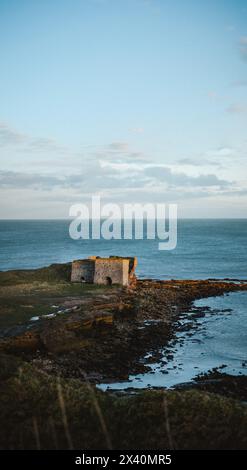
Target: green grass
[[28, 293], [55, 272]]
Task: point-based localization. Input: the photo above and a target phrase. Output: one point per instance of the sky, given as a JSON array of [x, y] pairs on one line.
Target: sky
[[133, 100]]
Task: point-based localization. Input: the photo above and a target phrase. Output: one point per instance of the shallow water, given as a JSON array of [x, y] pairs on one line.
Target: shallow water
[[216, 339]]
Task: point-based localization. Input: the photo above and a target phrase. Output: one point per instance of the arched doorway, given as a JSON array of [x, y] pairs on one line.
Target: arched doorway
[[108, 281]]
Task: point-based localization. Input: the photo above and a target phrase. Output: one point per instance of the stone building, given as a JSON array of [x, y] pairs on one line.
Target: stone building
[[96, 270]]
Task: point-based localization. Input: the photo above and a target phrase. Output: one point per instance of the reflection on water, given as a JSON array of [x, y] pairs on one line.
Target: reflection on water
[[213, 334]]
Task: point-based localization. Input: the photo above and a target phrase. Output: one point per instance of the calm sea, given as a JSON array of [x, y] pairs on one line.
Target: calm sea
[[205, 248]]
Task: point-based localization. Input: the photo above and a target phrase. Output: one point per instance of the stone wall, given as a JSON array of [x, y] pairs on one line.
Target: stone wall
[[83, 270], [111, 271]]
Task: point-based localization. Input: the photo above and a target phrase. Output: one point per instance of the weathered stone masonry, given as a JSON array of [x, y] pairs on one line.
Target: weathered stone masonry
[[96, 270]]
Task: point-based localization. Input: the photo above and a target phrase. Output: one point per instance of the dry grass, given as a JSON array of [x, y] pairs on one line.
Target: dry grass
[[37, 411]]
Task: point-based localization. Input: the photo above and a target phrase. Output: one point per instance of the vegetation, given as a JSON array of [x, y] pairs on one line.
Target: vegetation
[[41, 411]]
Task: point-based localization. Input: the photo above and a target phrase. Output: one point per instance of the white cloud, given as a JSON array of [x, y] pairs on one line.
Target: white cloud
[[105, 176], [220, 152], [114, 170], [137, 130], [197, 162]]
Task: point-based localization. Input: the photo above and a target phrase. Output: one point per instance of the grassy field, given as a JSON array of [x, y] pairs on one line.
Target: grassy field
[[28, 293]]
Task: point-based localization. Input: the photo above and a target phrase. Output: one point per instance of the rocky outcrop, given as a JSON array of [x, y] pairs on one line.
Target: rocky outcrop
[[107, 332]]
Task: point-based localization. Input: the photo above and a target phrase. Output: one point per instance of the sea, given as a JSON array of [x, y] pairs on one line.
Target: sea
[[206, 249]]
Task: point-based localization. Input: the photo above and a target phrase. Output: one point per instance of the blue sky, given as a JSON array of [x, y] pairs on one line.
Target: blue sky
[[135, 100]]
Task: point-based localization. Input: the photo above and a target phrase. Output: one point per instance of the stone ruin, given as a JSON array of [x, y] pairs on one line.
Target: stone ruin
[[112, 270]]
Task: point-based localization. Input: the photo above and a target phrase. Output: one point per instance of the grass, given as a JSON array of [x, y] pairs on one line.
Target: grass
[[28, 293], [40, 411], [55, 272]]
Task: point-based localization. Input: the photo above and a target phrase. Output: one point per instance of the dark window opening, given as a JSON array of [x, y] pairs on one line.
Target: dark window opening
[[109, 281]]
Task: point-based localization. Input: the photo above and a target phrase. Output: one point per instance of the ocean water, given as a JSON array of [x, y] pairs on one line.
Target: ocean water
[[205, 249], [217, 339]]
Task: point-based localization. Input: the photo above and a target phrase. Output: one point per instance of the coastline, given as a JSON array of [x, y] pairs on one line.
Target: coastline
[[92, 334]]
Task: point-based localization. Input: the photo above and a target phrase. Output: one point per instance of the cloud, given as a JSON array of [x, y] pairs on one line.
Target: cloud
[[18, 180], [44, 144], [236, 192], [209, 180], [118, 146], [48, 154], [27, 145], [243, 47], [113, 170], [117, 152], [164, 174], [136, 155], [213, 157], [9, 136], [199, 162], [104, 176], [220, 152], [137, 130]]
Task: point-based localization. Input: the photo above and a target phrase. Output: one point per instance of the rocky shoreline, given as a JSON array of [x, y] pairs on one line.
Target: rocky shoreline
[[85, 334]]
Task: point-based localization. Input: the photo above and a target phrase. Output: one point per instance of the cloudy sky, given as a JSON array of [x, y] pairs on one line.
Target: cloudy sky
[[134, 100]]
